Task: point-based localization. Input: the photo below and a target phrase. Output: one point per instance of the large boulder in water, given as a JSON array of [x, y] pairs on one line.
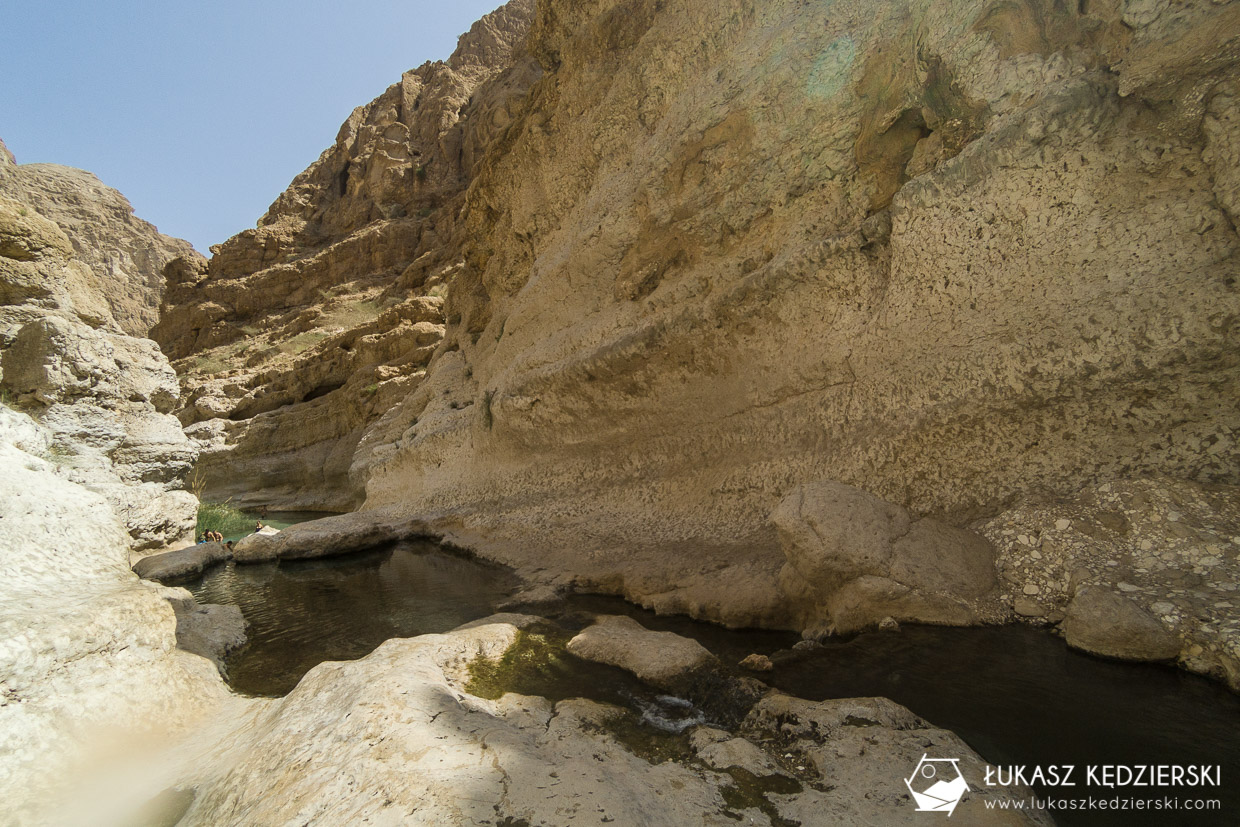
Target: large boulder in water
[[854, 559]]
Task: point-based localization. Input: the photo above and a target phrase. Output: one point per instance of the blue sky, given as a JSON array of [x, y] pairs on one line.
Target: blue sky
[[202, 113]]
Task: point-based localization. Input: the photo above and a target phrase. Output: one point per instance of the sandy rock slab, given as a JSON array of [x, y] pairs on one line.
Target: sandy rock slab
[[396, 738], [662, 659], [329, 536]]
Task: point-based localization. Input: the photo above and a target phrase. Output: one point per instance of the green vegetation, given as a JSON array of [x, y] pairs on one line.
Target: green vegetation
[[302, 342], [535, 664], [371, 389], [223, 518]]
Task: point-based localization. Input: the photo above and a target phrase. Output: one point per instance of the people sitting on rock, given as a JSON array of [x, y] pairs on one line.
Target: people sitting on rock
[[258, 526], [216, 537]]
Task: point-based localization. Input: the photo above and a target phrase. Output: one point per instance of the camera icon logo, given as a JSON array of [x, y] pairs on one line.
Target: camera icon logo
[[937, 785]]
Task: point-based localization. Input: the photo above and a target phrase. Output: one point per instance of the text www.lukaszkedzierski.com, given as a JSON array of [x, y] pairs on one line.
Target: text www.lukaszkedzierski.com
[[1090, 803]]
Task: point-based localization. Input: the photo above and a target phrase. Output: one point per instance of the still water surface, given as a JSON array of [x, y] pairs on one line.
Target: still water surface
[[1016, 694]]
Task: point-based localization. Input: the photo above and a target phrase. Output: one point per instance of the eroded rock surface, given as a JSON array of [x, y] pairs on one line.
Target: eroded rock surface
[[946, 253], [396, 738], [105, 398], [855, 560], [304, 330], [90, 672], [1161, 559], [124, 255]]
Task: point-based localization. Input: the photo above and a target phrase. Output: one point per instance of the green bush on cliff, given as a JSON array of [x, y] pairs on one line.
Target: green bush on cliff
[[223, 518]]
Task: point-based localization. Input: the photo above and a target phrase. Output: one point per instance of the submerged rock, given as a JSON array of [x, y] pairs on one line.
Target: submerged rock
[[1168, 550], [1105, 623], [662, 659], [210, 630]]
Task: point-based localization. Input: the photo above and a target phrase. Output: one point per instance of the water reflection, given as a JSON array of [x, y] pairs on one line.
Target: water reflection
[[301, 613]]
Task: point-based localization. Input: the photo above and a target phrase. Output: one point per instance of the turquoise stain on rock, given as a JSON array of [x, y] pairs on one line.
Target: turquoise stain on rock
[[831, 68]]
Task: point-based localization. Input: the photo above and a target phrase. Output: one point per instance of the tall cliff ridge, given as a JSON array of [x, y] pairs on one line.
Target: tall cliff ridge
[[125, 255], [303, 331], [725, 276], [104, 399], [951, 254]]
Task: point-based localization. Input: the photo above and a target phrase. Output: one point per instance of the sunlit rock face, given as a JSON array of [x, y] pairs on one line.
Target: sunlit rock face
[[104, 397], [600, 292], [946, 253], [304, 330], [122, 255]]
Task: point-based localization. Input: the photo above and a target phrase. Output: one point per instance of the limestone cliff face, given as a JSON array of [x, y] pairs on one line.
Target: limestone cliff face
[[124, 254], [699, 254], [303, 331], [948, 253], [104, 397]]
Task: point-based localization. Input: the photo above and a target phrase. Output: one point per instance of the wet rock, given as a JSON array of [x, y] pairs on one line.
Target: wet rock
[[757, 663], [870, 744], [396, 738], [662, 659], [182, 563], [1105, 623], [1170, 547], [721, 749], [208, 629]]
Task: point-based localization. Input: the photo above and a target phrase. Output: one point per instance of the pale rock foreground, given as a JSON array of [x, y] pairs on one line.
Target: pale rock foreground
[[395, 739], [90, 673]]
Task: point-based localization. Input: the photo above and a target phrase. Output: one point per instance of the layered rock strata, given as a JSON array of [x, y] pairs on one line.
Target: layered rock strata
[[955, 256], [949, 254], [303, 331], [105, 398], [125, 256]]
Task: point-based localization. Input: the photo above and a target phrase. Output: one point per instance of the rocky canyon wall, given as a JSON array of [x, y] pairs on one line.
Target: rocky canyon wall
[[304, 330], [688, 257], [92, 470], [952, 254], [104, 398], [125, 255]]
